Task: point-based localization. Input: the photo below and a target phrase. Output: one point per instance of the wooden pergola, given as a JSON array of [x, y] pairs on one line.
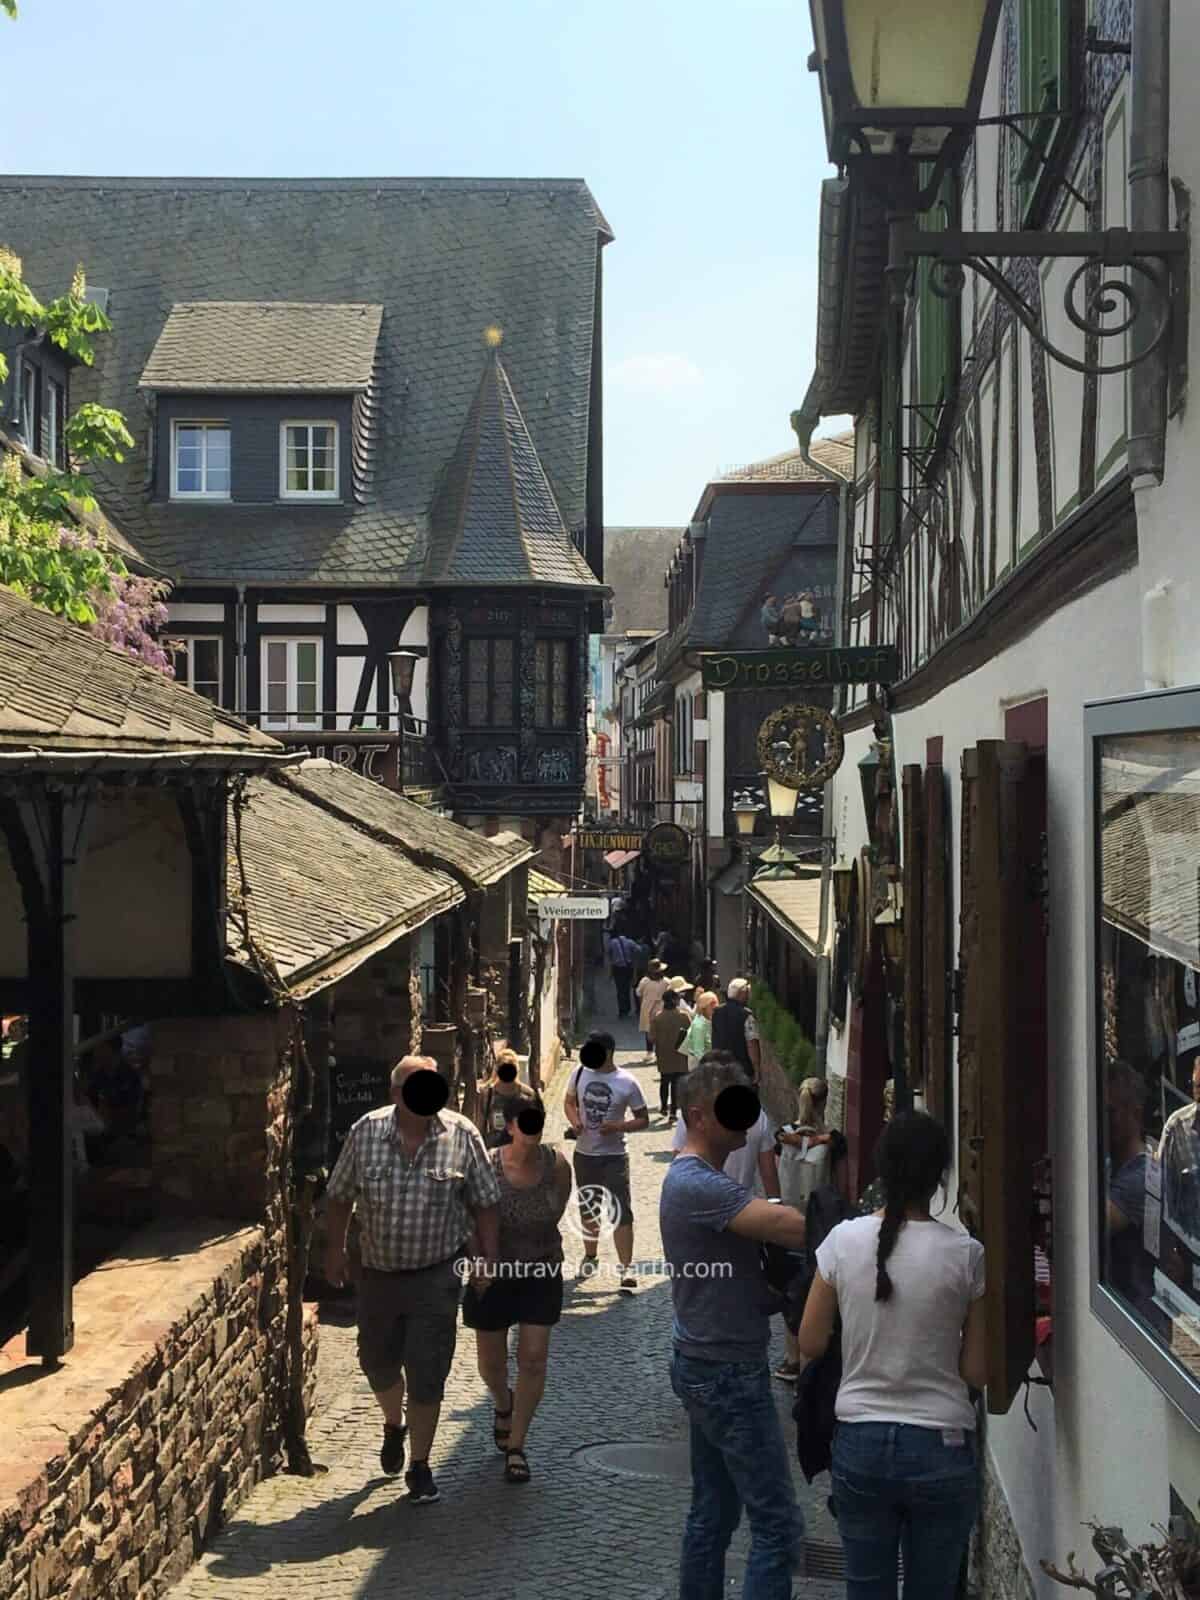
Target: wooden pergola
[[113, 800]]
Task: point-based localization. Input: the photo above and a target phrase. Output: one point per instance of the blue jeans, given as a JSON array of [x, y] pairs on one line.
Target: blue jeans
[[738, 1459], [902, 1489]]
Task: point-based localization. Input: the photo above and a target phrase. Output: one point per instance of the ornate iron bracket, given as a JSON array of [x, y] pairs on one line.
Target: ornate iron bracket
[[1157, 264]]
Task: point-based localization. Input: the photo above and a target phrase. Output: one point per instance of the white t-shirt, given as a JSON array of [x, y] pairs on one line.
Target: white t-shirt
[[740, 1165], [900, 1356], [604, 1097]]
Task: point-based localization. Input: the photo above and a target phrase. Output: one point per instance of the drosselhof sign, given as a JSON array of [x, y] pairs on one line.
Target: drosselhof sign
[[799, 669]]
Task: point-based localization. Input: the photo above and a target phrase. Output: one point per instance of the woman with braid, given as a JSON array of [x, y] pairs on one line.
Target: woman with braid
[[908, 1292]]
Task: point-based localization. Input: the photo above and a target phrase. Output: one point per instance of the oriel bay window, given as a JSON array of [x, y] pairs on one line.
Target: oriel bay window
[[552, 683], [198, 664], [291, 676], [308, 466], [491, 683], [200, 459]]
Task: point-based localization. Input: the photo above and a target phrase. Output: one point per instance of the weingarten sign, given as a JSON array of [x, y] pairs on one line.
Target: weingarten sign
[[799, 669]]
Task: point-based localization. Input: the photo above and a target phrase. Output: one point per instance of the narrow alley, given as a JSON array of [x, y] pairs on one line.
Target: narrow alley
[[604, 1512]]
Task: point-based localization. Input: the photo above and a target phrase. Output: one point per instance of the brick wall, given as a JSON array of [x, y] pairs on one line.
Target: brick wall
[[116, 1466]]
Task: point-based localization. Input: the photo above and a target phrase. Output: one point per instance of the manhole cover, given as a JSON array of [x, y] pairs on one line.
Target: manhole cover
[[651, 1460]]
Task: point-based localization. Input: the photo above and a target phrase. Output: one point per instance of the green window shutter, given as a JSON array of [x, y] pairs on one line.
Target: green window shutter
[[935, 326], [1043, 39]]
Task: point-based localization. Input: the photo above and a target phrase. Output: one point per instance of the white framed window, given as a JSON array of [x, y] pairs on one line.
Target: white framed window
[[291, 679], [198, 664], [54, 424], [29, 388], [200, 458], [308, 461]]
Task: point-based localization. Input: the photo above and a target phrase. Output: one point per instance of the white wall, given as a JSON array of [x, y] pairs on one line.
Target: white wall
[[1104, 1414]]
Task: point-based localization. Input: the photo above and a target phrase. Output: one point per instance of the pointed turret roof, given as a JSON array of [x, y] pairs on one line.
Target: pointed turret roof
[[494, 518]]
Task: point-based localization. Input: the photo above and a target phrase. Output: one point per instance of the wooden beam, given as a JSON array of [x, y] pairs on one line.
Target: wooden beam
[[46, 837]]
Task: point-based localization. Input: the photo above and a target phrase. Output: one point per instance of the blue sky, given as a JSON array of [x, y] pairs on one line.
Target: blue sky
[[695, 123]]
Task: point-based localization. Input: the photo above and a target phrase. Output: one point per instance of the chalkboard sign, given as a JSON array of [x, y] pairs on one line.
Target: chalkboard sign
[[357, 1085]]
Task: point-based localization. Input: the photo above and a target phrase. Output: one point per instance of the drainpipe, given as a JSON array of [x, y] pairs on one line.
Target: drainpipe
[[1149, 150], [240, 646]]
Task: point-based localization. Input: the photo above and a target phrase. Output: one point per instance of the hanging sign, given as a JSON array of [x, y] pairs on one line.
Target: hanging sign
[[607, 839], [573, 908], [801, 668], [800, 746], [667, 845]]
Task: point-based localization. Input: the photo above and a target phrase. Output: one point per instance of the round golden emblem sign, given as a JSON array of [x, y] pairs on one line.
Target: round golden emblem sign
[[800, 746]]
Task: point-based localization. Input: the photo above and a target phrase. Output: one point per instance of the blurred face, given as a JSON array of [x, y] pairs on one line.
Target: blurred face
[[1196, 1083], [707, 1005], [417, 1085], [527, 1127]]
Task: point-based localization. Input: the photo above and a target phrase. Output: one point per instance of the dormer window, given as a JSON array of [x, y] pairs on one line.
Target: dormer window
[[29, 389], [54, 423], [308, 461], [200, 459]]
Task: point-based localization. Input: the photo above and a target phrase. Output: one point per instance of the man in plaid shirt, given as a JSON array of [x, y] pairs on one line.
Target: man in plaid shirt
[[421, 1180]]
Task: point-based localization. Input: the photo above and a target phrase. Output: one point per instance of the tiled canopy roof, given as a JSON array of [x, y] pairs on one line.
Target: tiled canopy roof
[[324, 895], [836, 452], [445, 258], [64, 690], [494, 518], [265, 346], [413, 827]]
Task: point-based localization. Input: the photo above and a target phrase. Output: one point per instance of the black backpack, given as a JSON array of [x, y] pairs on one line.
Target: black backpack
[[817, 1386]]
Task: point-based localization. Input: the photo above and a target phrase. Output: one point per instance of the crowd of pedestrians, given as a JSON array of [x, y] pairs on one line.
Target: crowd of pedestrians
[[882, 1310]]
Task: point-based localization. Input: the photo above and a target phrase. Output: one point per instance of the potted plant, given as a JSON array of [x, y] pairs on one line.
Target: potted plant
[[1167, 1569]]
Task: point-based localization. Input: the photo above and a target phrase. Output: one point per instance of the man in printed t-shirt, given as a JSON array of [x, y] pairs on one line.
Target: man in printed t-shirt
[[603, 1103]]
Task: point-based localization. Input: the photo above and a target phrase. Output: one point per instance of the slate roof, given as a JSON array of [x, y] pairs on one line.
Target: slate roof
[[264, 346], [634, 562], [403, 822], [445, 258], [64, 691], [494, 517], [323, 894], [756, 543]]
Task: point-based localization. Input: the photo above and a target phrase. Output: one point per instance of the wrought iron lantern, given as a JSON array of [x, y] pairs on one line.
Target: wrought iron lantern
[[842, 878], [403, 664], [902, 76], [902, 83], [745, 815]]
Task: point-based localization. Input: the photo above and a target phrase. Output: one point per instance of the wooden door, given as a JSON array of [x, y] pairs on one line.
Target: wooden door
[[936, 963], [995, 1150], [914, 923]]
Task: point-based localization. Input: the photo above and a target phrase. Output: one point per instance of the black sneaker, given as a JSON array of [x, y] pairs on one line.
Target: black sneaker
[[391, 1457], [422, 1490]]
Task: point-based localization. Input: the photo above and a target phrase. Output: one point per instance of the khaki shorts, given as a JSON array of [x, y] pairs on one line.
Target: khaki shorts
[[407, 1327]]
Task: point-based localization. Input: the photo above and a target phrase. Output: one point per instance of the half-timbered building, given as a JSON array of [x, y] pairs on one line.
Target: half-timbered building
[[367, 416], [1016, 804]]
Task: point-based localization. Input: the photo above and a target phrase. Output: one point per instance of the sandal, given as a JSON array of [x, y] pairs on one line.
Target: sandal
[[500, 1434], [516, 1467]]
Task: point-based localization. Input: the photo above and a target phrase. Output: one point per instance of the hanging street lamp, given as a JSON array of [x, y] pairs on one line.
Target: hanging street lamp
[[902, 83]]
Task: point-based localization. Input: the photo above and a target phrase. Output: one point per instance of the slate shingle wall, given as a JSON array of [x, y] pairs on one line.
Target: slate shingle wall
[[445, 258]]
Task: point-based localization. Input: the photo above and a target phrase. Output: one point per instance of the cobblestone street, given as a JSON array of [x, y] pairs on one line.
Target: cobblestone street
[[591, 1524]]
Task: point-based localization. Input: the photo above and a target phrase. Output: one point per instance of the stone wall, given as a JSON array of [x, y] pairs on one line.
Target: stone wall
[[117, 1465], [775, 1087], [377, 1007], [997, 1568]]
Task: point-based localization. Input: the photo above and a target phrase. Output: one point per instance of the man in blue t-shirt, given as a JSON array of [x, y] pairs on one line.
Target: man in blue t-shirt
[[712, 1229]]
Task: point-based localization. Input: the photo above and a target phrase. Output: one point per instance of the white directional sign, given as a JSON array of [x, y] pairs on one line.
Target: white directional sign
[[573, 908]]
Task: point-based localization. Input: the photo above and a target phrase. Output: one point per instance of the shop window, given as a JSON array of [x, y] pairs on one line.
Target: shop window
[[1145, 969], [490, 683]]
